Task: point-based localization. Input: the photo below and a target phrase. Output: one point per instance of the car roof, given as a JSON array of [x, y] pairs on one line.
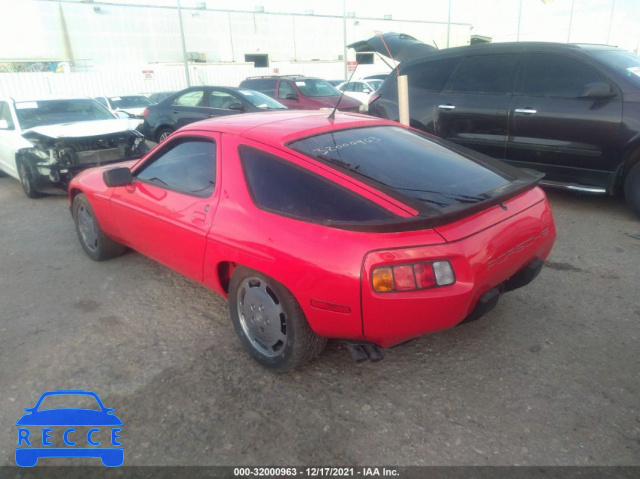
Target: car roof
[[284, 126], [17, 99], [507, 47]]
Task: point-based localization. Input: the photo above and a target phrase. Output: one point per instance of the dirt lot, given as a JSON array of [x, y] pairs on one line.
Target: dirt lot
[[550, 377]]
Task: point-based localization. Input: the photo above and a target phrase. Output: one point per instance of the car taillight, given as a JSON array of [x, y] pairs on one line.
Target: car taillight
[[145, 113], [373, 98], [412, 277]]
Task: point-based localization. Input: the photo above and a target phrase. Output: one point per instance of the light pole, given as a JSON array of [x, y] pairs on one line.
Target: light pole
[[613, 6], [573, 4], [449, 24], [344, 36], [184, 47]]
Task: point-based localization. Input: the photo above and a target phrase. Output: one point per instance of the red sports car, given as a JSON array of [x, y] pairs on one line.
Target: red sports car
[[354, 227]]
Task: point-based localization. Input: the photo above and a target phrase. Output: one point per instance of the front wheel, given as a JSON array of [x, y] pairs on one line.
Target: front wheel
[[270, 322], [632, 189], [27, 180], [95, 243]]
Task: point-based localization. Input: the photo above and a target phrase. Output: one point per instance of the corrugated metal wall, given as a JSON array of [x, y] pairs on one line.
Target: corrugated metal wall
[[165, 78]]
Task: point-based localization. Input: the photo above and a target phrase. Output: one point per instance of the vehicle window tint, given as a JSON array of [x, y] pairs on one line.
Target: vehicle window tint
[[557, 76], [192, 98], [102, 101], [221, 99], [284, 188], [431, 76], [268, 87], [284, 89], [486, 74], [189, 167], [406, 162], [5, 114]]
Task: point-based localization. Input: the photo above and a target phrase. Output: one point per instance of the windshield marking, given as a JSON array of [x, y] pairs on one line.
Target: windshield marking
[[363, 141]]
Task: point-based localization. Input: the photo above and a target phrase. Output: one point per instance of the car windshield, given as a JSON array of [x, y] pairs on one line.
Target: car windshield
[[406, 162], [621, 61], [135, 101], [316, 87], [51, 112], [261, 100], [69, 401]]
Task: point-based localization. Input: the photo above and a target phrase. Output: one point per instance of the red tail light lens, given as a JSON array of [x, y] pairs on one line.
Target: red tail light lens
[[411, 277], [145, 113]]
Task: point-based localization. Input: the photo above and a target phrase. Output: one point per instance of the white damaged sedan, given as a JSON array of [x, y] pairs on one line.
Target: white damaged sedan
[[45, 142]]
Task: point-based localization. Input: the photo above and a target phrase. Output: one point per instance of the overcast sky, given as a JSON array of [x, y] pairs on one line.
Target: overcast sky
[[592, 20]]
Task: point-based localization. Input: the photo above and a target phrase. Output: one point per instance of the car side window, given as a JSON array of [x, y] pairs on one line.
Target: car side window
[[102, 101], [5, 114], [568, 80], [284, 188], [432, 75], [285, 89], [221, 99], [486, 74], [191, 98], [188, 167]]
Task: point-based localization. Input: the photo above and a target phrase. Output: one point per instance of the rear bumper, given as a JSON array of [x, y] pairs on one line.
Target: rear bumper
[[496, 259]]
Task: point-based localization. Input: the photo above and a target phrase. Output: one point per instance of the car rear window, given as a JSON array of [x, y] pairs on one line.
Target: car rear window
[[281, 187], [406, 163]]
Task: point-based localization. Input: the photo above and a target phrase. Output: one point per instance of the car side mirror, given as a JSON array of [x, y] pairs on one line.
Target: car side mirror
[[117, 177], [236, 106], [291, 96], [366, 90], [597, 90], [4, 125]]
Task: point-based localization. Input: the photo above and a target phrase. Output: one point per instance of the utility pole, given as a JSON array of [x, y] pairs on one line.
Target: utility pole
[[184, 47]]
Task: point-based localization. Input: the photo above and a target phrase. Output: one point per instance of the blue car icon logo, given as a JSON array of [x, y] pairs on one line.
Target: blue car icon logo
[[84, 432]]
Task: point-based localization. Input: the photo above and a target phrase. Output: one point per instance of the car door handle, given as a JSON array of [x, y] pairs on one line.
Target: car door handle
[[175, 112], [447, 107], [199, 218], [526, 111]]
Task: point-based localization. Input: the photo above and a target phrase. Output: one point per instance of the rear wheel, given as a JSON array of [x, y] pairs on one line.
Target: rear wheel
[[632, 189], [95, 243], [163, 134], [270, 322], [27, 180]]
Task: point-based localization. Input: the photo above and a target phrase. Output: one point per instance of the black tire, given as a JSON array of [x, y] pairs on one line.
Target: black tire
[[632, 189], [163, 134], [95, 243], [270, 322], [28, 183]]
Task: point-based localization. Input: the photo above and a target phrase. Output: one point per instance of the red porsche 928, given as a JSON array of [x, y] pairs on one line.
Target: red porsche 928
[[354, 227]]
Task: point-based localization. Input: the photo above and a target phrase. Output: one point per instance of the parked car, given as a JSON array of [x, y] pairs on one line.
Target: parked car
[[132, 105], [428, 235], [199, 103], [302, 93], [335, 82], [360, 90], [44, 142], [159, 96], [570, 111]]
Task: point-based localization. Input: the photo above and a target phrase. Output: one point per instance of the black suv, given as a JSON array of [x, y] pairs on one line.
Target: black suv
[[570, 111]]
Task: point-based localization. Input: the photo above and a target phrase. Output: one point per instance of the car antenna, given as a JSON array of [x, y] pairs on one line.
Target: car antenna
[[332, 116]]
